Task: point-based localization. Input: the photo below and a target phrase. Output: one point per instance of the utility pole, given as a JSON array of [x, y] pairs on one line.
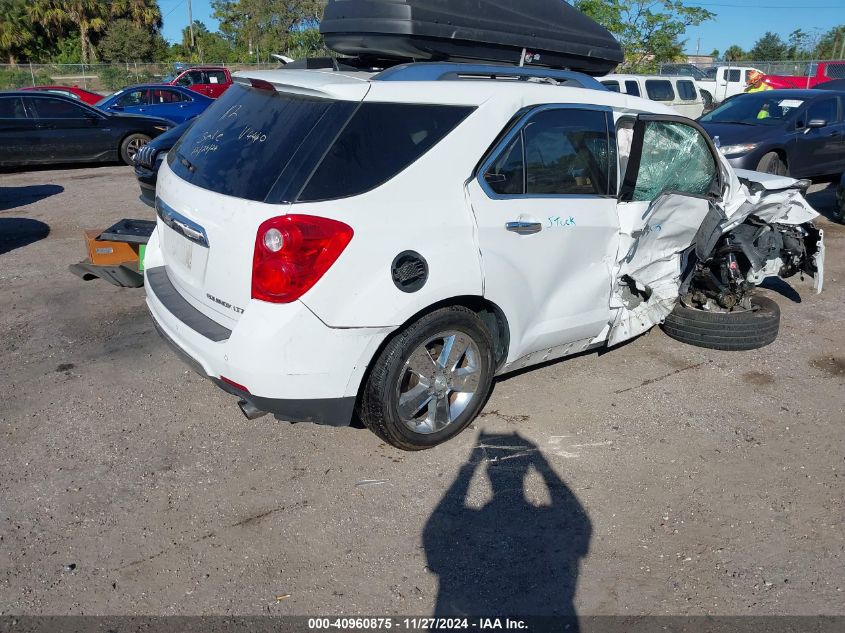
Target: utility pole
[[191, 23]]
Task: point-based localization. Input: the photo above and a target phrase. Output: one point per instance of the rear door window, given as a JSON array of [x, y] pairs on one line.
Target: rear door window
[[659, 90], [632, 88], [166, 95], [380, 141], [686, 90], [835, 71], [47, 108], [248, 137], [216, 76], [12, 108], [611, 85], [734, 75]]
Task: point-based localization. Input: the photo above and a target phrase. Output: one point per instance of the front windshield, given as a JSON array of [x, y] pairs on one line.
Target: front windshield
[[106, 98], [762, 108]]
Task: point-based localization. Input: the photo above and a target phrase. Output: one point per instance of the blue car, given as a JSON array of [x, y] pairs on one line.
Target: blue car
[[174, 103]]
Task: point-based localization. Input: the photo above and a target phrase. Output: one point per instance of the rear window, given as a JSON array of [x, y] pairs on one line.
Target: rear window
[[248, 137], [632, 88], [381, 140], [835, 71], [659, 90], [613, 86], [686, 90]]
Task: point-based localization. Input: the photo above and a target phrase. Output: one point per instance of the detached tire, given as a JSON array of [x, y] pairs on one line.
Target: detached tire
[[727, 331], [130, 146], [772, 163], [430, 381]]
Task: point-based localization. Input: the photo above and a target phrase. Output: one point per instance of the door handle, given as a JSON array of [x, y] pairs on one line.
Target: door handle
[[523, 228]]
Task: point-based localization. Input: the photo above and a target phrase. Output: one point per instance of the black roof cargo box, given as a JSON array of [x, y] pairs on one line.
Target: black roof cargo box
[[537, 32]]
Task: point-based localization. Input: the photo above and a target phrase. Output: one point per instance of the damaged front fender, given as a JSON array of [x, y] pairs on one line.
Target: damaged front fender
[[711, 254]]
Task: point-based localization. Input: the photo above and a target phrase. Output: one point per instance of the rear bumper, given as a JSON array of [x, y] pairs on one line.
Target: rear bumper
[[291, 363], [328, 411]]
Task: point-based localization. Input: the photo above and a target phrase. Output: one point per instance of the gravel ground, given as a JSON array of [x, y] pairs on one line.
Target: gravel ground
[[655, 478]]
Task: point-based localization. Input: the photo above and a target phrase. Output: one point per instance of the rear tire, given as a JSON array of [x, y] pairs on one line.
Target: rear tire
[[772, 163], [727, 331], [130, 146], [423, 390]]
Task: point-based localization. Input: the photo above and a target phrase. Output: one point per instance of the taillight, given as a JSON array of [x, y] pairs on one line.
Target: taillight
[[292, 253]]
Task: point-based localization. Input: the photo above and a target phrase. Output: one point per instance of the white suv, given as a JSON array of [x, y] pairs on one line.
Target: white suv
[[330, 244]]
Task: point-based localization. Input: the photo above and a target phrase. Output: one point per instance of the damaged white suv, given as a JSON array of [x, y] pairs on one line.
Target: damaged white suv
[[330, 244]]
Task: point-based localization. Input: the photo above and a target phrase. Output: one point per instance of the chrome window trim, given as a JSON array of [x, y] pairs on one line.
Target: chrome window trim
[[503, 144]]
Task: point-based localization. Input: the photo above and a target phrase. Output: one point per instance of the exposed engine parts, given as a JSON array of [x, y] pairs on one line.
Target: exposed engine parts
[[743, 258]]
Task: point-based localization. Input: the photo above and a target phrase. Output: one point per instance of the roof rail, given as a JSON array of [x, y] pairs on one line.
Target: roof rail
[[450, 71]]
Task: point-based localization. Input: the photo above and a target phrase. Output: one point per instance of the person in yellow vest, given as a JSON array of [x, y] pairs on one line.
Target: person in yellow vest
[[755, 82], [764, 111]]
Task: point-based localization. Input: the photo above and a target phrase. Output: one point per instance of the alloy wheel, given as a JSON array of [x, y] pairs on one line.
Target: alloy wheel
[[439, 380]]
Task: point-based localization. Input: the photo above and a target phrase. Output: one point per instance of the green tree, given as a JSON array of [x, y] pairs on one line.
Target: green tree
[[15, 29], [266, 26], [306, 43], [714, 53], [830, 43], [125, 41], [734, 53], [649, 30], [770, 47], [89, 16], [800, 45], [142, 13], [68, 50]]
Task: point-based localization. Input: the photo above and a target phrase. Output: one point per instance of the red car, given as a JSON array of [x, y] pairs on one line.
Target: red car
[[73, 92], [211, 81], [816, 73]]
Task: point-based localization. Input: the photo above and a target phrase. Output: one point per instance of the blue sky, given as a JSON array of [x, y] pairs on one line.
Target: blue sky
[[737, 22]]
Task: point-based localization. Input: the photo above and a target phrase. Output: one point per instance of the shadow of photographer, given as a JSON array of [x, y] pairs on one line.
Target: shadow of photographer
[[510, 557]]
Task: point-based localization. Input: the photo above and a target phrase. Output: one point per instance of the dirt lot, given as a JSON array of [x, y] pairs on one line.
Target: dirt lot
[[653, 479]]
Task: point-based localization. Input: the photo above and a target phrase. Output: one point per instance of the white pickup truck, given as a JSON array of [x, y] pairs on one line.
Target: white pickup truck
[[726, 82]]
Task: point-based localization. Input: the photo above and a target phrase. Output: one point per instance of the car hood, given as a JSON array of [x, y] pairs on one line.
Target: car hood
[[732, 133]]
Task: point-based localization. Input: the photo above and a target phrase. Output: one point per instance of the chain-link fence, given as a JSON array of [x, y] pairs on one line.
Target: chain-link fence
[[97, 77]]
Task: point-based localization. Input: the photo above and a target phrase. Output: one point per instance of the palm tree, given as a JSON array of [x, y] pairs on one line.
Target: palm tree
[[15, 33], [89, 16], [142, 13]]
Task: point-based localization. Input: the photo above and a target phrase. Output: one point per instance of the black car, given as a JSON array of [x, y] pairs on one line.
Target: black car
[[149, 158], [48, 128], [800, 133]]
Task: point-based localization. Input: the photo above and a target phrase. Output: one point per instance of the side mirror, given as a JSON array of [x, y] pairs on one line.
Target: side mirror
[[116, 108], [816, 123], [491, 177]]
